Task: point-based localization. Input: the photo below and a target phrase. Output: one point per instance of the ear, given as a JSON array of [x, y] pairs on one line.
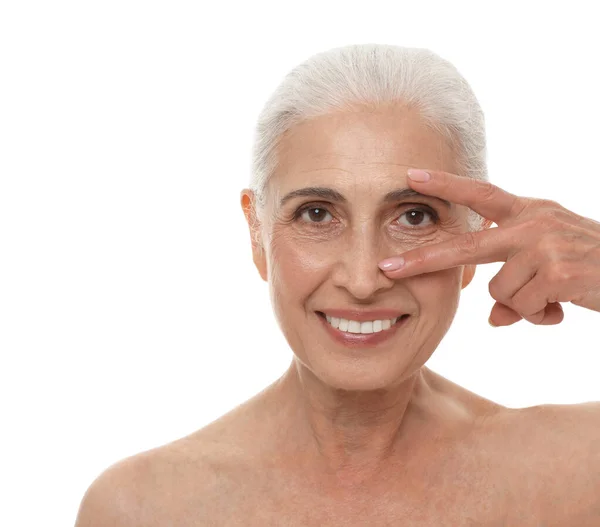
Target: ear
[[248, 202], [468, 274], [469, 270]]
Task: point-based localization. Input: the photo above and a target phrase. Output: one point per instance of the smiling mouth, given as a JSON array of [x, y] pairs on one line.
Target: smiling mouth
[[357, 328]]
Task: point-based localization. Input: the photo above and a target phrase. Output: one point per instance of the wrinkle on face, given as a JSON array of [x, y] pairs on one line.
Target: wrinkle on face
[[362, 219], [363, 156]]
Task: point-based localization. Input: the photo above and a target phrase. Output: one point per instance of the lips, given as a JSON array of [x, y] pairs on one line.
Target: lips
[[363, 341]]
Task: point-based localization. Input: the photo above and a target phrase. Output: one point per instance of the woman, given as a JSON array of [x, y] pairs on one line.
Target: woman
[[358, 431]]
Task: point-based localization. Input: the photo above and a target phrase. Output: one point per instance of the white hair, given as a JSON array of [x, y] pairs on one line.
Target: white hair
[[373, 74]]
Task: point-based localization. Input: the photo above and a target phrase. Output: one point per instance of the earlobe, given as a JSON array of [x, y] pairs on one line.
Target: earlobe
[[260, 260], [468, 274]]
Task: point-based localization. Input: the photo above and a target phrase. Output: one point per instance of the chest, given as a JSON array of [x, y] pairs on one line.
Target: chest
[[455, 500]]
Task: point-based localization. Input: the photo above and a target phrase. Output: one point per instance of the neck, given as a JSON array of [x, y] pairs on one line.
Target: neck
[[353, 435]]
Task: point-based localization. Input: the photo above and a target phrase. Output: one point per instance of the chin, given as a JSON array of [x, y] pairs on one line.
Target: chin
[[359, 375]]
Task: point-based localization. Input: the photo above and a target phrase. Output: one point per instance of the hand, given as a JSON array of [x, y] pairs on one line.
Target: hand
[[552, 255]]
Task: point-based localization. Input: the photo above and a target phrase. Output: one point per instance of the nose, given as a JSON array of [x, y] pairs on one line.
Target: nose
[[356, 268]]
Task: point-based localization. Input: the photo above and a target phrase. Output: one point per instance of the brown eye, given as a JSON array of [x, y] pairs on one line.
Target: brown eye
[[416, 217], [314, 214]]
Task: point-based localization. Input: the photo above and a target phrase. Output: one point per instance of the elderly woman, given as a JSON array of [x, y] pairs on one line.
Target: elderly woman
[[368, 211]]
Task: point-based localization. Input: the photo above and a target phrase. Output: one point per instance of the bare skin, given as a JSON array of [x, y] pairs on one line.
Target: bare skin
[[465, 461], [369, 437]]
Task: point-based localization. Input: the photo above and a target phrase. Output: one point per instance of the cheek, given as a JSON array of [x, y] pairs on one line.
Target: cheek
[[293, 257], [295, 272], [295, 269]]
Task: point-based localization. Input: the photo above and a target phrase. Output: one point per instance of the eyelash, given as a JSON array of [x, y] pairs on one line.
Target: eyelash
[[318, 225]]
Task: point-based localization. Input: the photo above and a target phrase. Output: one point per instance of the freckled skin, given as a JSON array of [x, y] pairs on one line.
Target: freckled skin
[[372, 437]]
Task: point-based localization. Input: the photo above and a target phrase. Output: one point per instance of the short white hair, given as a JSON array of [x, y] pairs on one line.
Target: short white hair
[[373, 74]]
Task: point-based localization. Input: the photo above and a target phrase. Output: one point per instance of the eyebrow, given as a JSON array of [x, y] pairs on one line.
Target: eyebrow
[[333, 195]]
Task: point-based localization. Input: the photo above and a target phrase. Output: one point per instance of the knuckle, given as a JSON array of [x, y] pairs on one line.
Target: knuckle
[[542, 206], [556, 215], [534, 318], [551, 204], [495, 290], [467, 244], [548, 221], [486, 191], [519, 206], [552, 211], [520, 305], [419, 258]]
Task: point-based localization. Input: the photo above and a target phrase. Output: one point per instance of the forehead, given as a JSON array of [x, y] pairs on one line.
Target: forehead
[[363, 148]]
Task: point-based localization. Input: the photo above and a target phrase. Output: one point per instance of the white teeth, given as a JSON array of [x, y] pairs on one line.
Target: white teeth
[[366, 327], [353, 326]]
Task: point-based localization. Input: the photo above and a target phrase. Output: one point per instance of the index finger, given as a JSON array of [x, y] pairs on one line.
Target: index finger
[[483, 197], [490, 245]]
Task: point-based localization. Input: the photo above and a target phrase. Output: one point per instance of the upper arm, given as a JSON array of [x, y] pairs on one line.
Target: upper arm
[[576, 428], [114, 498], [157, 487], [573, 434], [584, 462]]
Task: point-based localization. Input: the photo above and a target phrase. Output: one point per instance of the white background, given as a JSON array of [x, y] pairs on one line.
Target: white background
[[130, 310]]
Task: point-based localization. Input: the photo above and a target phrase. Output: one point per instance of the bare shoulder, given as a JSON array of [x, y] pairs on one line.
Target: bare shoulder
[[189, 481], [154, 487], [554, 449], [570, 432]]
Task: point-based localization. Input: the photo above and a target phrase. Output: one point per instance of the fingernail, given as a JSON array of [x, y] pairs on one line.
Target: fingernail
[[391, 264], [491, 323], [418, 175]]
